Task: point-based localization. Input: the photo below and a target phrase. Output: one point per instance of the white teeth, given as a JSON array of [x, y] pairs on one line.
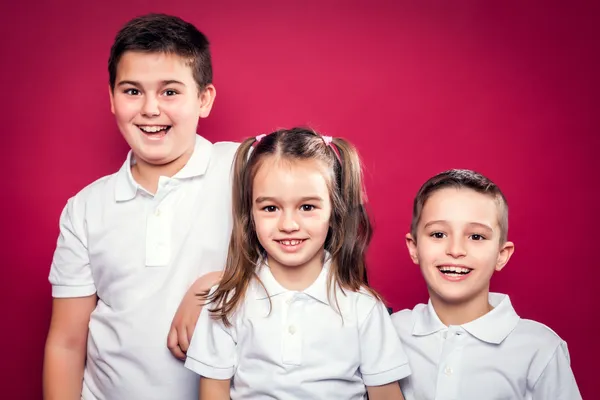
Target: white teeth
[[454, 269], [153, 129], [290, 242]]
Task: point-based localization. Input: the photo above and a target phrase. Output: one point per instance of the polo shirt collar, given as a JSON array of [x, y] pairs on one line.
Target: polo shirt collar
[[492, 327], [318, 289], [126, 187]]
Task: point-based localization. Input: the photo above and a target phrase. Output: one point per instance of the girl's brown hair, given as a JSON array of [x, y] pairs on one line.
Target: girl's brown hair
[[350, 229]]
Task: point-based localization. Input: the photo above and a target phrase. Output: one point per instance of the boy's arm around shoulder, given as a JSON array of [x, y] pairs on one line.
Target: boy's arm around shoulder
[[186, 317], [557, 380], [74, 300]]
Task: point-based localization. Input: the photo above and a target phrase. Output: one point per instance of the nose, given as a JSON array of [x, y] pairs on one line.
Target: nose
[[287, 222], [150, 107], [456, 248]]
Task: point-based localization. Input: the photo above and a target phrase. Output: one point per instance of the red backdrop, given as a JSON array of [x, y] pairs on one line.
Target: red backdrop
[[420, 87]]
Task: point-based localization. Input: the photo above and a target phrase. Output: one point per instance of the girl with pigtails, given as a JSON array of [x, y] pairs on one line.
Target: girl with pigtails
[[293, 316]]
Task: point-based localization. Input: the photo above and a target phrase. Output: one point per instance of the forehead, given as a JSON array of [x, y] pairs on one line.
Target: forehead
[[460, 205], [149, 67], [281, 177]]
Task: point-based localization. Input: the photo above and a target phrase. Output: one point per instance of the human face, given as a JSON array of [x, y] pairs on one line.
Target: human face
[[291, 210], [157, 105], [458, 244]]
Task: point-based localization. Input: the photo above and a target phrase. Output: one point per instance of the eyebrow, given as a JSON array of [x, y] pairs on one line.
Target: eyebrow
[[477, 224], [163, 83], [264, 199]]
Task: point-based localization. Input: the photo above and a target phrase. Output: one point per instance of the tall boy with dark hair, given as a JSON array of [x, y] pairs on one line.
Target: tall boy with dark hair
[[133, 244]]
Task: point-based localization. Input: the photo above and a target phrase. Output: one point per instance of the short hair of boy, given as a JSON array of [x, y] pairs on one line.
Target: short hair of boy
[[161, 33], [459, 179]]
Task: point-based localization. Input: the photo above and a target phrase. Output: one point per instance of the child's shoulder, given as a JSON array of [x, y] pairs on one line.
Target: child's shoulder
[[540, 335], [362, 301], [404, 320], [363, 296], [227, 146], [96, 190], [223, 152]]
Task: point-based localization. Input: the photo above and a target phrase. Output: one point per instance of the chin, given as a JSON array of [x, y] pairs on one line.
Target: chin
[[291, 261], [454, 295]]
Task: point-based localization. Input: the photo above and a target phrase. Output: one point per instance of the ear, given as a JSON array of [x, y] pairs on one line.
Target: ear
[[207, 98], [506, 251], [112, 99], [411, 244]]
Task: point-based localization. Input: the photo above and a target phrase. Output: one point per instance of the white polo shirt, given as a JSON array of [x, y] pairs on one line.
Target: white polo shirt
[[497, 356], [140, 253], [302, 349]]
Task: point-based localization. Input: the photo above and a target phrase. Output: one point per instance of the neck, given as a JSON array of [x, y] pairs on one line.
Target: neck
[[462, 312], [147, 175], [298, 277]]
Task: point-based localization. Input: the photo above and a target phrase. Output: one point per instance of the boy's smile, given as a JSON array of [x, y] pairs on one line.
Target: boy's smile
[[458, 245], [157, 105], [453, 272], [155, 132]]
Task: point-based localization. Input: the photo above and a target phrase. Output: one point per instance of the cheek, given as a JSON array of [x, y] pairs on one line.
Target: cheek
[[125, 110], [319, 226], [263, 226], [430, 252], [484, 255], [185, 110]]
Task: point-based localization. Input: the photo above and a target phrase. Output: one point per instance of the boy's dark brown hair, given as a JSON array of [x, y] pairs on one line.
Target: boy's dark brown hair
[[161, 33], [461, 178], [350, 228]]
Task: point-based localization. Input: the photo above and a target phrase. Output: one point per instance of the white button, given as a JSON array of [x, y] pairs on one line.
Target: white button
[[292, 329], [157, 213], [448, 371], [445, 334]]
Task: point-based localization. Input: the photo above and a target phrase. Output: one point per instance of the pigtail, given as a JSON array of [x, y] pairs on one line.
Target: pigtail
[[354, 234]]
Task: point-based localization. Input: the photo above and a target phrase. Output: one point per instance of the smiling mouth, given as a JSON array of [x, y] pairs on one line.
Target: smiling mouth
[[454, 271], [290, 242], [155, 130]]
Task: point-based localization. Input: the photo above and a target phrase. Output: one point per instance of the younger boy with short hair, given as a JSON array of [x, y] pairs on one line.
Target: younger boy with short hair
[[468, 343], [132, 243]]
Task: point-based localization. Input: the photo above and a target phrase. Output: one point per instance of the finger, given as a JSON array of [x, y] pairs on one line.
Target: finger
[[176, 351], [173, 345], [172, 337], [182, 336]]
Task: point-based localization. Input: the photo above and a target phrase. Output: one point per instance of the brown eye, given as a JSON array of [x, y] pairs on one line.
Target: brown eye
[[307, 207]]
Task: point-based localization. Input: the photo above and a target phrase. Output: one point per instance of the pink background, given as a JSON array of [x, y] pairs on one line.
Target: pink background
[[505, 88]]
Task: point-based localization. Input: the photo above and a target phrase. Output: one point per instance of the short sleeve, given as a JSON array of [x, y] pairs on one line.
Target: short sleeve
[[383, 359], [557, 380], [212, 352], [71, 273]]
